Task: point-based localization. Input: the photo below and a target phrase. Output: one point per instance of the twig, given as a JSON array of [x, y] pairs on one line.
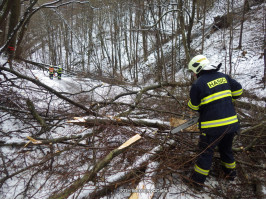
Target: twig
[[262, 124], [90, 174], [252, 165]]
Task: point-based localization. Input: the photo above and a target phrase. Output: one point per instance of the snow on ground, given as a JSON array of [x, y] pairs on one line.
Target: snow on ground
[[247, 63]]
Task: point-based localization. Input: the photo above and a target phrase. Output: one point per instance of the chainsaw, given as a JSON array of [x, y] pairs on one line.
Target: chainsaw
[[185, 125]]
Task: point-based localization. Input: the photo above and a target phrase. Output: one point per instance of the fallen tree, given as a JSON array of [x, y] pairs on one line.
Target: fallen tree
[[91, 173], [119, 121]]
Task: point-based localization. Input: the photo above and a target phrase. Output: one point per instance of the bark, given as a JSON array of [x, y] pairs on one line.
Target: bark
[[37, 116], [90, 48], [191, 22], [245, 8], [144, 33], [203, 26], [182, 27], [264, 28], [14, 19], [119, 122], [5, 8]]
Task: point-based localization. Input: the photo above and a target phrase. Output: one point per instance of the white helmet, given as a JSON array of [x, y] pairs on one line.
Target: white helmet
[[198, 63]]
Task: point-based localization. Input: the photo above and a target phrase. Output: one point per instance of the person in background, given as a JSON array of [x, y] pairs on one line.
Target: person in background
[[51, 72], [212, 95], [59, 72]]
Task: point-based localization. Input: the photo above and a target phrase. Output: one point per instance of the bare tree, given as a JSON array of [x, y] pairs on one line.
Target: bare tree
[[245, 9], [182, 27], [203, 26], [74, 143]]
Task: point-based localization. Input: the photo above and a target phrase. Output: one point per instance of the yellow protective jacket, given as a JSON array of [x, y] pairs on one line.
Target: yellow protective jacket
[[212, 95]]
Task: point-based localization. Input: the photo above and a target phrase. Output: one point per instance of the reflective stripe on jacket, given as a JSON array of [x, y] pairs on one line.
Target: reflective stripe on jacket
[[59, 71], [212, 95]]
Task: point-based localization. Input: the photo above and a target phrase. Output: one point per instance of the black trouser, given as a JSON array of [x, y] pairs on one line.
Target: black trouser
[[51, 75], [207, 144]]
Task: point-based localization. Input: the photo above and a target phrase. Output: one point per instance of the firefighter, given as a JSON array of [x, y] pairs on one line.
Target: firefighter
[[51, 72], [59, 72], [212, 95]]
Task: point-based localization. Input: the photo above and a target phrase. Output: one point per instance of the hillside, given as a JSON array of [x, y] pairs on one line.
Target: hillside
[[62, 138]]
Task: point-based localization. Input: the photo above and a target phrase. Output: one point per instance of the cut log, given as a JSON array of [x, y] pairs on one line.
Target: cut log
[[120, 121]]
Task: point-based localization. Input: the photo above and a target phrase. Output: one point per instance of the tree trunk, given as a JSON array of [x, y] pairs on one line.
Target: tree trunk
[[5, 8], [245, 8], [191, 21], [183, 29], [13, 21], [144, 33], [90, 48], [203, 26], [230, 18], [264, 28]]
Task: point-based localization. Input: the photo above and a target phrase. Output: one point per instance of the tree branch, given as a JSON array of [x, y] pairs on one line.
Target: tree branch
[[37, 82], [91, 122], [261, 125], [144, 90], [90, 174]]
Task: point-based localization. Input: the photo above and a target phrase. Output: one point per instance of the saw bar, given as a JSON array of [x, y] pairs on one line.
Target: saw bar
[[187, 124]]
